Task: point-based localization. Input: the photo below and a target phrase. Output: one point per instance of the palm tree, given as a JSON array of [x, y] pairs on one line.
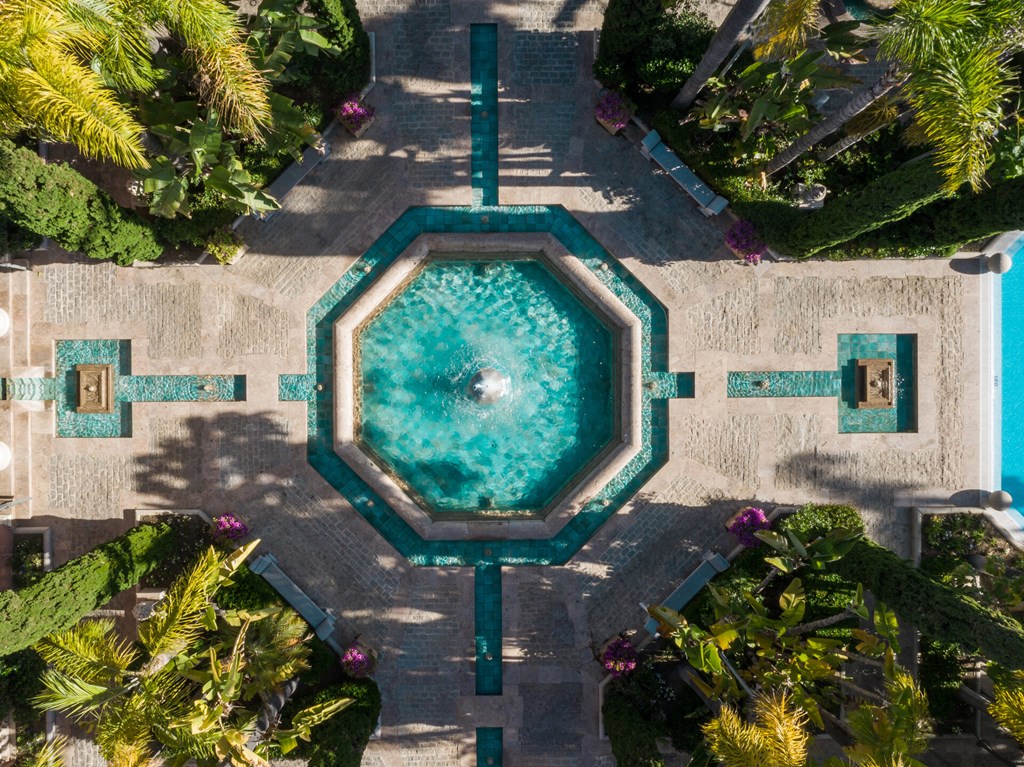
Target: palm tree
[[740, 17], [777, 737], [947, 56], [184, 691], [1008, 710], [63, 64], [882, 113], [784, 28]]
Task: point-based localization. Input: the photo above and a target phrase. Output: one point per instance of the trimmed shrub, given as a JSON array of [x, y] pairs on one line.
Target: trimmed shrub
[[940, 672], [945, 224], [20, 681], [15, 239], [890, 198], [649, 51], [816, 520], [341, 740], [633, 738], [58, 202], [327, 79], [63, 596], [936, 610]]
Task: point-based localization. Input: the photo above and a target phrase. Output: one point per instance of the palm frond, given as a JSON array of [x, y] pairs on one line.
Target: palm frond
[[785, 27], [71, 103], [90, 651], [76, 698], [958, 102], [732, 741], [1008, 710], [51, 754], [177, 620], [919, 30], [275, 651], [118, 40], [783, 729], [227, 79], [124, 733]]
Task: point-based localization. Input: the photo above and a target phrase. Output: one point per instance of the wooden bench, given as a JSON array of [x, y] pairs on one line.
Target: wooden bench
[[712, 563], [654, 148], [321, 621]]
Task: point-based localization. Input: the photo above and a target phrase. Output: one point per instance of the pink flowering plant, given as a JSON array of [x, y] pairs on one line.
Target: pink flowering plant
[[354, 113], [358, 662], [228, 527], [620, 658], [748, 522], [614, 109], [743, 238]]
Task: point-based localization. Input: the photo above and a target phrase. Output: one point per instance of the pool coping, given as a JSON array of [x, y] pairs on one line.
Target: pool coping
[[579, 279]]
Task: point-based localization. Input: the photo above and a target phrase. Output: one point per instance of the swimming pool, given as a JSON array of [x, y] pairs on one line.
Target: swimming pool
[[1010, 379]]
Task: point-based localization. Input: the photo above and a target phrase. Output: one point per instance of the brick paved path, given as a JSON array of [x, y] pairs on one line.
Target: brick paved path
[[250, 319]]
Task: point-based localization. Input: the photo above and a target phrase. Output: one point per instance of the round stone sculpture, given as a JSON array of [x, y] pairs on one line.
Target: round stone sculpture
[[999, 263], [1000, 500]]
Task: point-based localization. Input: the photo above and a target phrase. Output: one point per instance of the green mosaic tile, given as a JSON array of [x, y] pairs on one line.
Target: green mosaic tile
[[488, 746], [378, 257], [783, 383], [899, 347], [487, 603]]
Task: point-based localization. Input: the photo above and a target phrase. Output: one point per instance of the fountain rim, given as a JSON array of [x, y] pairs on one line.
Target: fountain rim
[[588, 482]]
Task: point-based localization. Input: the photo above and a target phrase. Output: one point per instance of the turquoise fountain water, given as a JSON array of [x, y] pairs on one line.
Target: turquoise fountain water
[[486, 386]]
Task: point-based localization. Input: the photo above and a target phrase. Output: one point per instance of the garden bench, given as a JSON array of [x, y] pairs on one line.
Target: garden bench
[[712, 563], [322, 622], [654, 148]]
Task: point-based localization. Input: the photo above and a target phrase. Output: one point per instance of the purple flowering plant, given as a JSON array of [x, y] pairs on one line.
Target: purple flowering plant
[[358, 662], [228, 527], [743, 238], [354, 113], [747, 522], [620, 658], [615, 109]]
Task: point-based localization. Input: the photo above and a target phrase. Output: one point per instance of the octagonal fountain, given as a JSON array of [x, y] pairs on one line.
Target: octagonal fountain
[[484, 386]]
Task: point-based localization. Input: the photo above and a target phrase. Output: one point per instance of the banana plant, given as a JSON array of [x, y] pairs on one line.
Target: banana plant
[[196, 154], [794, 551]]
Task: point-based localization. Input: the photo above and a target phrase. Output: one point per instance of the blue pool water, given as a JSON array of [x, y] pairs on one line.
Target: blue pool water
[[1012, 375], [416, 360]]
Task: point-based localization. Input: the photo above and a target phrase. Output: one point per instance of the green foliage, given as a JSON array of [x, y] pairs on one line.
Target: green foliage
[[14, 239], [947, 223], [648, 49], [62, 596], [955, 534], [890, 198], [815, 520], [940, 672], [341, 740], [247, 591], [20, 681], [328, 79], [192, 536], [223, 245], [937, 610], [631, 735], [28, 560], [208, 213], [52, 200]]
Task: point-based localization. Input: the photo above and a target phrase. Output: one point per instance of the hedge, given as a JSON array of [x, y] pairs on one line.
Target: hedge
[[633, 738], [647, 50], [968, 217], [52, 200], [62, 597], [890, 198], [816, 520], [341, 740], [325, 79], [937, 611]]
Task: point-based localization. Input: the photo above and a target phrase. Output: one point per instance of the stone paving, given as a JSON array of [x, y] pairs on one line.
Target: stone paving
[[250, 318]]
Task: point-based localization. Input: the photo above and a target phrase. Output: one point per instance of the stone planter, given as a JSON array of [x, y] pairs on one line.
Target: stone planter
[[358, 132], [608, 125]]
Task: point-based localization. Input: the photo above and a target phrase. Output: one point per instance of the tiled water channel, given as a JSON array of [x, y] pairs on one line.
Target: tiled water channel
[[841, 383], [63, 388]]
